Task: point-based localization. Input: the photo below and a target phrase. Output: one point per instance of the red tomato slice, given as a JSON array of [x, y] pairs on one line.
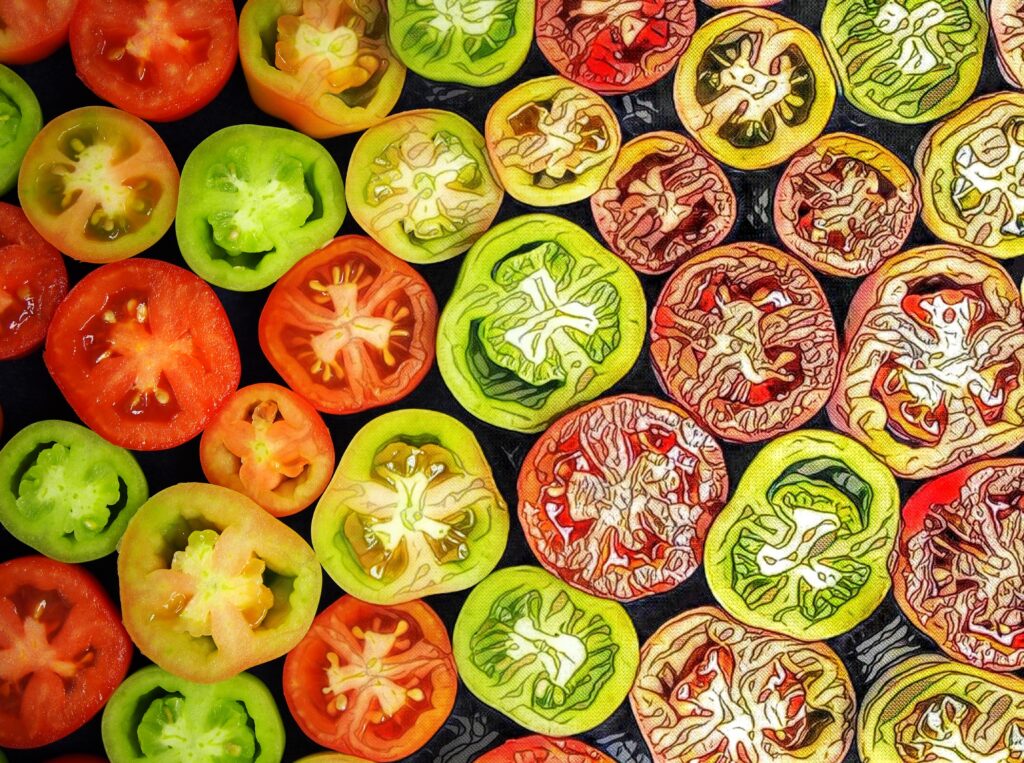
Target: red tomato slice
[[271, 445], [371, 680], [541, 749], [33, 281], [143, 352], [350, 327], [32, 29], [158, 59], [63, 650]]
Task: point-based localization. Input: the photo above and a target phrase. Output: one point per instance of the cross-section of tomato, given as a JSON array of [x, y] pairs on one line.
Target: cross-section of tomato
[[542, 749], [267, 442], [350, 327], [742, 337], [616, 497], [372, 681], [143, 352], [32, 29], [63, 650]]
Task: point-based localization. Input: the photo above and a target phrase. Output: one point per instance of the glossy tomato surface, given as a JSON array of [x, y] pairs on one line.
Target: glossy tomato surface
[[31, 30]]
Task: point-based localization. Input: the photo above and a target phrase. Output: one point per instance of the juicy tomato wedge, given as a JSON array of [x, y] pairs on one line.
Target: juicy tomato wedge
[[33, 281], [350, 327], [271, 445], [542, 749], [143, 352], [614, 47], [371, 680], [158, 59], [32, 29], [99, 184], [63, 650]]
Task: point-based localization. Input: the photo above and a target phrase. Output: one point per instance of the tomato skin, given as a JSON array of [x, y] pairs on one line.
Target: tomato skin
[[36, 32], [29, 263], [203, 331], [88, 620], [178, 79], [236, 423], [307, 668]]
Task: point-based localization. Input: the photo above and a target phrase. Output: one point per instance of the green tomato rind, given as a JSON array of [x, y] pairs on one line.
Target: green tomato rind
[[526, 609], [472, 42], [420, 183], [253, 201], [21, 119], [67, 492], [157, 717], [453, 520], [906, 61], [542, 318], [830, 510]]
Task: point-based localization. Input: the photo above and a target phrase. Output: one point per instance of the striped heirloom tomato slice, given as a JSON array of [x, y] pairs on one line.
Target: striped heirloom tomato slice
[[1007, 19]]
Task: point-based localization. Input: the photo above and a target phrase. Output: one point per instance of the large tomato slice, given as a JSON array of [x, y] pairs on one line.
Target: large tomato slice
[[371, 680], [350, 327], [33, 281], [158, 59], [63, 650], [144, 353], [32, 29]]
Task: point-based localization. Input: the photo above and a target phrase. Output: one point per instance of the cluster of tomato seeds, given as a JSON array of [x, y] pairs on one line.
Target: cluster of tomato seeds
[[501, 403]]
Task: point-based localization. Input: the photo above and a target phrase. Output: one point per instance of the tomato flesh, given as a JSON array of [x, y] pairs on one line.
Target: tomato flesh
[[30, 30]]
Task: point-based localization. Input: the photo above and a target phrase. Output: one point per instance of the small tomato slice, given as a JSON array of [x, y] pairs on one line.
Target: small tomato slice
[[268, 443], [541, 749], [33, 281], [158, 59], [350, 327], [63, 650], [371, 680], [32, 29], [143, 352], [99, 184]]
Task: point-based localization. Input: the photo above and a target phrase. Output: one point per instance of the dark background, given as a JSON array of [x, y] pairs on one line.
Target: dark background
[[28, 394]]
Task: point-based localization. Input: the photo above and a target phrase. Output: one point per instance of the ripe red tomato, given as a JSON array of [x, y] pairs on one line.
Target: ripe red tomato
[[541, 749], [63, 650], [350, 327], [33, 281], [371, 680], [32, 29], [158, 59], [143, 352], [270, 444]]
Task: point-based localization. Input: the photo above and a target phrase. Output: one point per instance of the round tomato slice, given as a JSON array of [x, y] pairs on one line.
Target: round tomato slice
[[614, 47], [542, 749], [158, 59], [350, 327], [616, 497], [99, 184], [32, 29], [271, 445], [63, 650], [143, 352], [371, 680], [33, 281]]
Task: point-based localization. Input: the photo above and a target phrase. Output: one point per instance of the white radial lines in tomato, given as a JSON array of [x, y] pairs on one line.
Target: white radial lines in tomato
[[989, 185], [92, 193], [912, 32], [552, 314]]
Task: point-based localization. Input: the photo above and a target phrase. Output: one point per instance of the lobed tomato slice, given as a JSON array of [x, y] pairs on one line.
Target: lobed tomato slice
[[143, 352], [350, 327], [32, 29], [271, 445], [371, 680], [158, 59], [33, 281], [63, 650]]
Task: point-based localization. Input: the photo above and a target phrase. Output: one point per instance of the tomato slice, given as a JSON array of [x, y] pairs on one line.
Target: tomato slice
[[32, 29], [158, 59], [371, 680], [33, 281], [63, 650], [143, 352], [271, 445], [542, 749], [350, 327]]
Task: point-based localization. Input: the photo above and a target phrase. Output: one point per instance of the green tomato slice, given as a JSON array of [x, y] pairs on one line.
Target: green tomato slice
[[155, 716], [421, 185], [413, 510], [801, 547], [542, 318], [254, 200], [906, 61], [67, 492], [555, 660], [20, 120]]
